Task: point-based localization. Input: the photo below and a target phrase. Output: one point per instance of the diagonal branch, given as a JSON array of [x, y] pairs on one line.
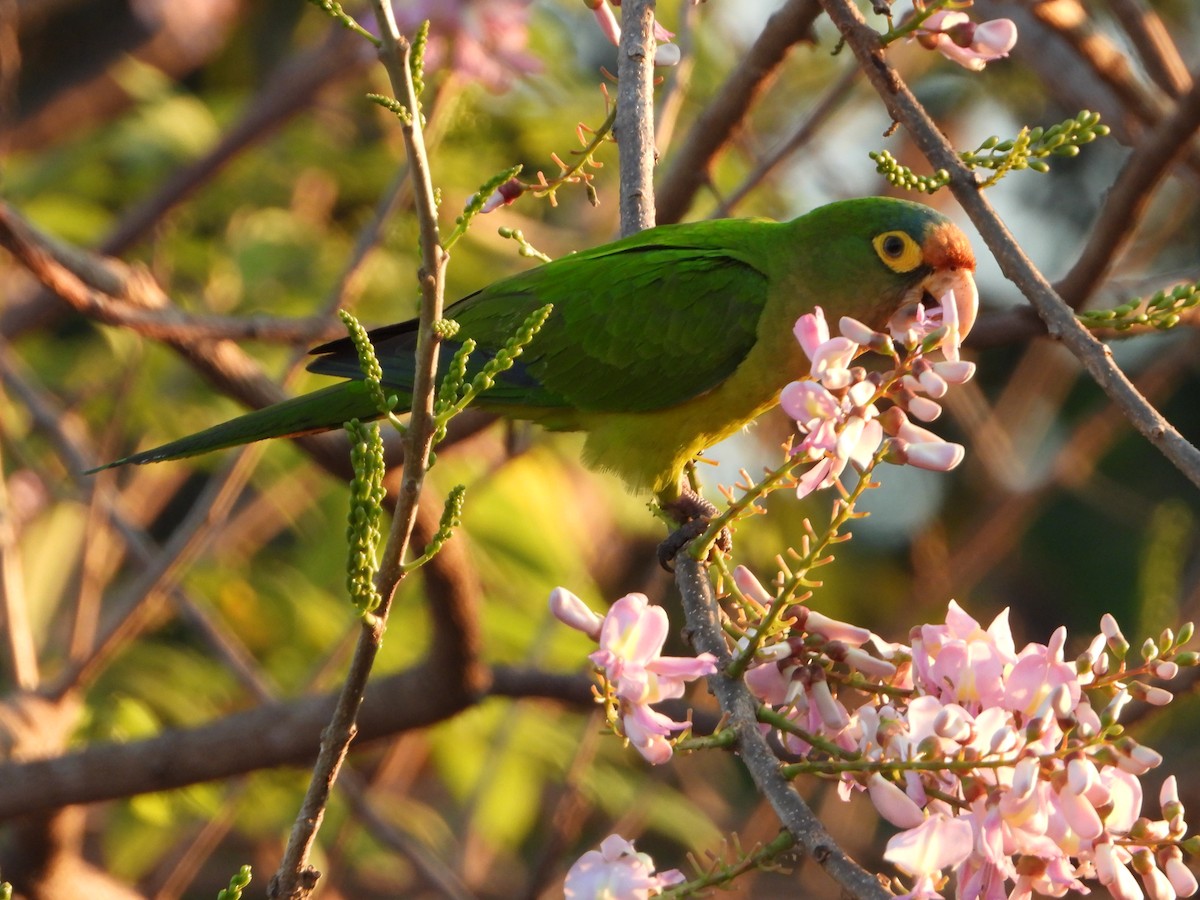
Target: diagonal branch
[[1130, 196], [1016, 266], [704, 626], [726, 114]]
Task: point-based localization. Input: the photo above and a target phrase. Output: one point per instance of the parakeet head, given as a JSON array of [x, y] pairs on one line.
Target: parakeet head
[[898, 255]]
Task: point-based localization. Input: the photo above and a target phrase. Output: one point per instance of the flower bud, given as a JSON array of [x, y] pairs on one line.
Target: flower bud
[[1112, 631], [924, 409], [937, 457], [572, 611], [749, 585], [893, 803], [1166, 670], [1180, 876]]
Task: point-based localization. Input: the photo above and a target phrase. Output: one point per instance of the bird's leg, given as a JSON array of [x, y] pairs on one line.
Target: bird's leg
[[693, 513]]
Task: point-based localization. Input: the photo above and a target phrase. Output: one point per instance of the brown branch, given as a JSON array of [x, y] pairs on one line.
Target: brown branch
[[1152, 41], [833, 98], [726, 113], [267, 736], [111, 292], [1016, 266], [704, 628], [79, 278], [296, 84], [14, 602], [1070, 19], [634, 127]]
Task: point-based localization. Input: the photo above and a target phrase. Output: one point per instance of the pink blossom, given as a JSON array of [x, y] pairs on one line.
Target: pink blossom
[[811, 331], [617, 870], [892, 803], [937, 843], [647, 730], [809, 404], [935, 456], [1039, 670], [1180, 876], [771, 683], [631, 639], [1050, 802], [960, 661], [505, 195], [971, 45]]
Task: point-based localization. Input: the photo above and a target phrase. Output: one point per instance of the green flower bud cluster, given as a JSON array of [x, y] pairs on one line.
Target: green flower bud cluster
[[455, 392], [1028, 150], [451, 519], [372, 371], [904, 177], [238, 883], [523, 246], [366, 513], [394, 106], [335, 11], [416, 58], [1162, 311]]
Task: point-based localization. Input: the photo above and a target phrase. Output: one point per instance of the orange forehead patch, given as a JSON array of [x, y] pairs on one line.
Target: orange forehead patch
[[946, 247]]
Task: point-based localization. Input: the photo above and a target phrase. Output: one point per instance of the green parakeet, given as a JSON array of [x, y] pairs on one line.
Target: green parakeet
[[660, 344]]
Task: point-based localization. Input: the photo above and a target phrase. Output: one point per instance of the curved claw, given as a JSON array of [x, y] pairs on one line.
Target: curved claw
[[694, 515]]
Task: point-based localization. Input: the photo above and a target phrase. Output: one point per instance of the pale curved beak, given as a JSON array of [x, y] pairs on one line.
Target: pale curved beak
[[956, 306], [961, 284]]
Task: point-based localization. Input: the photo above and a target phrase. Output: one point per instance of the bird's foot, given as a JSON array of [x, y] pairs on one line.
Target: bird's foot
[[694, 514]]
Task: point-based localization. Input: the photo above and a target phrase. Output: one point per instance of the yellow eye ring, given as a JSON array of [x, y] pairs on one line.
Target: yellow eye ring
[[899, 252]]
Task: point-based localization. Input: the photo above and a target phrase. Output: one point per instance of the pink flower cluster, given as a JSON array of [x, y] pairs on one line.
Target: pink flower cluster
[[971, 45], [993, 761], [836, 408], [617, 871], [636, 674]]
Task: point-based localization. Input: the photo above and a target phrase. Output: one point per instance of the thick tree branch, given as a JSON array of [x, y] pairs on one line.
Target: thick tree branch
[[270, 735]]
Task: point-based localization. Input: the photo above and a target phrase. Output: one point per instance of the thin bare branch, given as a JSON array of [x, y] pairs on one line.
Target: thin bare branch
[[295, 879], [821, 113], [726, 114], [1130, 196], [268, 736], [14, 611], [1152, 41]]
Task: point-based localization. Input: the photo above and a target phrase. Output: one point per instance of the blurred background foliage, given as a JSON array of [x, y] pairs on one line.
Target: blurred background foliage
[[1060, 512]]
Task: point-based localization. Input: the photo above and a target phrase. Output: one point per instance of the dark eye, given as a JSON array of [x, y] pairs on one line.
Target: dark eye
[[893, 246]]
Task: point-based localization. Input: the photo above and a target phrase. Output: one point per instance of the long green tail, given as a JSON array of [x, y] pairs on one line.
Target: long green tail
[[322, 410]]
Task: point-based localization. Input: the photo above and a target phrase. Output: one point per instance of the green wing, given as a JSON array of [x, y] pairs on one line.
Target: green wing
[[642, 324]]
